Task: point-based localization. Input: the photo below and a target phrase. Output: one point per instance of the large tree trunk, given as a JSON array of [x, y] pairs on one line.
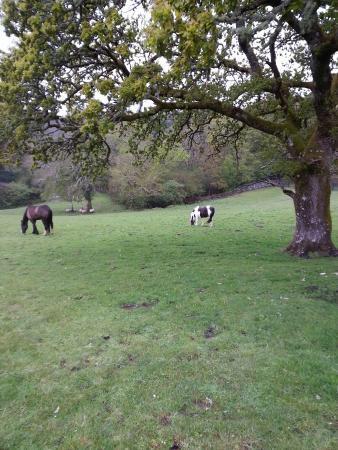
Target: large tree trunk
[[89, 205], [313, 218]]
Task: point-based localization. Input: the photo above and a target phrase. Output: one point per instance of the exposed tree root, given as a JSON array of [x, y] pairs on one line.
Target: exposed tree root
[[303, 251]]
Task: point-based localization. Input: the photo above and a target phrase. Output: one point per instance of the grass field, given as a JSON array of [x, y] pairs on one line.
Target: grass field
[[133, 330]]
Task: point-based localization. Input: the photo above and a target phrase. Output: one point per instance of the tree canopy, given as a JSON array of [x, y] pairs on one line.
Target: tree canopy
[[85, 68], [256, 62]]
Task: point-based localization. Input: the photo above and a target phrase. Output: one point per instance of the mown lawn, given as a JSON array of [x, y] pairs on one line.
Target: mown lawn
[[133, 330]]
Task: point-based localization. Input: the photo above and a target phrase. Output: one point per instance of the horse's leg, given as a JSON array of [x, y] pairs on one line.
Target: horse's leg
[[46, 225], [35, 230], [211, 221]]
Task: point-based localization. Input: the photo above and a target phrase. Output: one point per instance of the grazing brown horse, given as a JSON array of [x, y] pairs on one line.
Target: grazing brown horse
[[34, 213]]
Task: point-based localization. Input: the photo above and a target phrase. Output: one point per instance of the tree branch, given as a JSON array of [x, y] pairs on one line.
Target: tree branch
[[272, 42], [216, 106], [232, 64], [285, 191], [244, 44]]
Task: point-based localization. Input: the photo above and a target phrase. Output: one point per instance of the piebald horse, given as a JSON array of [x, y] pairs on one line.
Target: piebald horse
[[34, 213], [202, 212]]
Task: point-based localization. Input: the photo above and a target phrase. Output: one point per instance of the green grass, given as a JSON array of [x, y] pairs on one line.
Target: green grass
[[233, 345]]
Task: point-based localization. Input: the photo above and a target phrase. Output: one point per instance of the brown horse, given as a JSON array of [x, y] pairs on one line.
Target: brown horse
[[34, 213]]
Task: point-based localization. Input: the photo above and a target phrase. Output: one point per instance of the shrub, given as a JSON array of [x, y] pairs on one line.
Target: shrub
[[17, 194], [171, 193], [6, 176]]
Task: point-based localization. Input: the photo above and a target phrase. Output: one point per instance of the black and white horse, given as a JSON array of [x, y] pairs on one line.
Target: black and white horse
[[202, 212]]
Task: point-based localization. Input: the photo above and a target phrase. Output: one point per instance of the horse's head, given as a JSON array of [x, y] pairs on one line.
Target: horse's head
[[24, 226], [192, 218]]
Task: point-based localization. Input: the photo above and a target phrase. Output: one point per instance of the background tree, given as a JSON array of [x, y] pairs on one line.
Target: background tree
[[72, 185], [265, 64], [17, 187]]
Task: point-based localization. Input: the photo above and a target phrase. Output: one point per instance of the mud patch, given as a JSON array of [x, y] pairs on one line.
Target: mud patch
[[201, 290], [325, 294], [165, 419], [185, 411], [249, 445], [188, 356], [14, 307], [139, 305], [62, 363], [204, 403], [211, 332], [83, 364], [311, 288], [176, 444]]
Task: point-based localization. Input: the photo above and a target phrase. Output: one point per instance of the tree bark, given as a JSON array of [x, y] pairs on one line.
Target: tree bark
[[89, 205], [313, 218]]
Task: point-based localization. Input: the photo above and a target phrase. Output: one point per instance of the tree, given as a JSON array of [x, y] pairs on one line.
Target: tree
[[264, 64], [73, 185]]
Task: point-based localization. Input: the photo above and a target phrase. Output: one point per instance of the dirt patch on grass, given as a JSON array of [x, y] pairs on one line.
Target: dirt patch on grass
[[204, 403], [188, 356], [62, 363], [211, 332], [322, 293], [311, 288], [139, 305], [177, 444], [201, 290], [14, 307], [248, 444], [83, 364], [165, 419], [186, 411]]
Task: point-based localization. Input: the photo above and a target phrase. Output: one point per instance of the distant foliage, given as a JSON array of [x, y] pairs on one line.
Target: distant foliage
[[17, 194], [20, 174], [192, 171], [16, 187], [6, 176], [70, 184], [169, 193], [174, 181]]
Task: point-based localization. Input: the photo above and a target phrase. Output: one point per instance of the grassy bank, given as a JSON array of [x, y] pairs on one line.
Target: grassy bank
[[133, 330]]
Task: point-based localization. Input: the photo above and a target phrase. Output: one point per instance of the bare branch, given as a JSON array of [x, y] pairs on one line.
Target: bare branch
[[279, 184], [232, 64], [244, 43], [272, 42], [216, 106]]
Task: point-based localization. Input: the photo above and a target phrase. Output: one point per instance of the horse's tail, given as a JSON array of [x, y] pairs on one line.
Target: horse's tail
[[51, 219]]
